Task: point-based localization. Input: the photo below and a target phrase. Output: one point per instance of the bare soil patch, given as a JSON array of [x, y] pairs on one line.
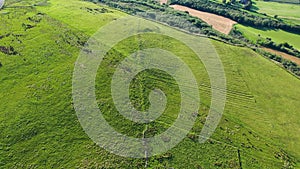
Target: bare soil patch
[[163, 1], [219, 23], [284, 55]]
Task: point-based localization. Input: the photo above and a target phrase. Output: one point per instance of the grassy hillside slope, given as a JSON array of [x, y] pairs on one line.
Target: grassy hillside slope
[[274, 113], [39, 127]]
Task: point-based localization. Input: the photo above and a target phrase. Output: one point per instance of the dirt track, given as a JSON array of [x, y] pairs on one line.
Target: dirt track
[[219, 23], [284, 55]]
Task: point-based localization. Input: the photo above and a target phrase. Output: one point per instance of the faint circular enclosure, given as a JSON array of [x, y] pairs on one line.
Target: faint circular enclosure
[[90, 116]]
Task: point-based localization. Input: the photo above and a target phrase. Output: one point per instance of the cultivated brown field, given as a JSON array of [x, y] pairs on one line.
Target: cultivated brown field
[[219, 23], [284, 55]]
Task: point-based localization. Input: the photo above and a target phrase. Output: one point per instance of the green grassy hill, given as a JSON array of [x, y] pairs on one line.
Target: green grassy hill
[[39, 127]]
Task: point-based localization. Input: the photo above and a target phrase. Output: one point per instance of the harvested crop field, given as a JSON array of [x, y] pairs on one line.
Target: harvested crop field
[[284, 55], [219, 23]]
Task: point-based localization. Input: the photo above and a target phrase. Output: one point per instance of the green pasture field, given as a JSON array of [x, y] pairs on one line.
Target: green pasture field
[[278, 36], [39, 127], [290, 12]]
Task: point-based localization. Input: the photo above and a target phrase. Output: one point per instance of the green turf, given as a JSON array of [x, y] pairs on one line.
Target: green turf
[[39, 127], [77, 14], [278, 36], [264, 81], [274, 8], [289, 12]]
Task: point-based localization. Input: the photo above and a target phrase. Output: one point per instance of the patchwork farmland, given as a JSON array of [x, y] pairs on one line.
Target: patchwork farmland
[[219, 23]]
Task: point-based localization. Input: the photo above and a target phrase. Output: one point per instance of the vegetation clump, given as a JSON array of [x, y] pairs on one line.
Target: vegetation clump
[[8, 50]]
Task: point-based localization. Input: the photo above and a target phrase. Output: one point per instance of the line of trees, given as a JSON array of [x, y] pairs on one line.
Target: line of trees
[[267, 42], [238, 15], [184, 21], [287, 64], [283, 47], [151, 9]]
